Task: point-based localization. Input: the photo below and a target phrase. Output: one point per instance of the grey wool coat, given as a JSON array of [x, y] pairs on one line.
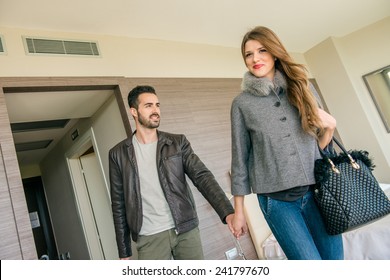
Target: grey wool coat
[[270, 150]]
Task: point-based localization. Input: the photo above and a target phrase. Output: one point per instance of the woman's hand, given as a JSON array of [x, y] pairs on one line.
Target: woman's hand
[[329, 126], [238, 225]]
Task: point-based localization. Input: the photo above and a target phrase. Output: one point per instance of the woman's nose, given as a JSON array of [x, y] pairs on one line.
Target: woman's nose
[[256, 57]]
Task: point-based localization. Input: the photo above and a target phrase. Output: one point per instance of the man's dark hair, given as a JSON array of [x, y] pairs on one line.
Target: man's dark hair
[[132, 98]]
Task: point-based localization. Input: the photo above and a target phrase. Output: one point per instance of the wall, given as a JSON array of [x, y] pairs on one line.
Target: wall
[[338, 65], [108, 128], [363, 52]]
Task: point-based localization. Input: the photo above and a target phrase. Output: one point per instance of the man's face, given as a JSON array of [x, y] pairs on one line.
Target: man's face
[[148, 112]]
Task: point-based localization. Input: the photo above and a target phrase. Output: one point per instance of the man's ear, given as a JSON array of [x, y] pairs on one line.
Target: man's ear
[[133, 112]]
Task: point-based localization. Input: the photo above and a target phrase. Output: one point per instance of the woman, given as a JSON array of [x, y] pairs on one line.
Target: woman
[[277, 129]]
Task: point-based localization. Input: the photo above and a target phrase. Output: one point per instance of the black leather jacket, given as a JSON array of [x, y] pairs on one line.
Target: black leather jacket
[[175, 158]]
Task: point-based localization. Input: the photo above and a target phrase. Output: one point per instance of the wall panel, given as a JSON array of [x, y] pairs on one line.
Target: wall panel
[[16, 240]]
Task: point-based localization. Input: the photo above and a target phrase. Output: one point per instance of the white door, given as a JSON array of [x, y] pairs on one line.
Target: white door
[[100, 204]]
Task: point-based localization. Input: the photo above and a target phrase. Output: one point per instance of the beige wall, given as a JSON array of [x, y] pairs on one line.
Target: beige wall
[[108, 129], [363, 52], [338, 65]]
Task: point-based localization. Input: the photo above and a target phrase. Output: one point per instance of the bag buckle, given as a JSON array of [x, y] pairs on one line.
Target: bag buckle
[[353, 162], [334, 168]]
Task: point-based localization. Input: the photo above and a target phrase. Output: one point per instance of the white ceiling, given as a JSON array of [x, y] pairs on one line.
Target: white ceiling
[[301, 24]]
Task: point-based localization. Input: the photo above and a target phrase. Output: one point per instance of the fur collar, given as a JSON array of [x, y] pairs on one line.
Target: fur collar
[[263, 86]]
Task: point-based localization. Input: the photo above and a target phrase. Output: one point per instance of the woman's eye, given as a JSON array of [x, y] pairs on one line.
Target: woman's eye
[[262, 50], [248, 55]]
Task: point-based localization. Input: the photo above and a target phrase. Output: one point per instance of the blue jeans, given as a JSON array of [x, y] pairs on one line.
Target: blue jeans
[[300, 230]]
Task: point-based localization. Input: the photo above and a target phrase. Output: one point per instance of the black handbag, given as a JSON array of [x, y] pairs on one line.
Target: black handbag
[[346, 192]]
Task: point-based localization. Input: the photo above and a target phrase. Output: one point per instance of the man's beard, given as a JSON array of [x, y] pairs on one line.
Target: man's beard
[[147, 122]]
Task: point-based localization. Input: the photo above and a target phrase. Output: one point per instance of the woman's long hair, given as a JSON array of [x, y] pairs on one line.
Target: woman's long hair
[[299, 93]]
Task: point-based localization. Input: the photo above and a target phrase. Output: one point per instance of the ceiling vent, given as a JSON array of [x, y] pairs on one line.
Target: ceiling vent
[[2, 48], [60, 47]]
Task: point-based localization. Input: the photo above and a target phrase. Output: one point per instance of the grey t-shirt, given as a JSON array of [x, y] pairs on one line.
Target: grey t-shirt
[[157, 216]]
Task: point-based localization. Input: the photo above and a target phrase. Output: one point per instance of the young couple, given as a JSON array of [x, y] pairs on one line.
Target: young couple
[[277, 125]]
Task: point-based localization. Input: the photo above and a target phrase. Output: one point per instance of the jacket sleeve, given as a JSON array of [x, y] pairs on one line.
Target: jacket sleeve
[[122, 231], [205, 182], [241, 147]]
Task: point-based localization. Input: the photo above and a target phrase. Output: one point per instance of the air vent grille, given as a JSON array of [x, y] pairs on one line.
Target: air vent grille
[[1, 45], [61, 47]]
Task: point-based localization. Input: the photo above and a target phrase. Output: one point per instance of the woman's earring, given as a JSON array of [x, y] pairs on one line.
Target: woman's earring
[[275, 58]]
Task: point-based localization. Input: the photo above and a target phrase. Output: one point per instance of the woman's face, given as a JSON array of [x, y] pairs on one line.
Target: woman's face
[[258, 60]]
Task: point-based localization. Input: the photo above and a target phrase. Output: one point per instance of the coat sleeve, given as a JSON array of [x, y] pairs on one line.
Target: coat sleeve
[[122, 231], [241, 148], [205, 182]]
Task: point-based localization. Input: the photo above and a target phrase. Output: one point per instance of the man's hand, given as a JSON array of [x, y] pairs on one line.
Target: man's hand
[[237, 225]]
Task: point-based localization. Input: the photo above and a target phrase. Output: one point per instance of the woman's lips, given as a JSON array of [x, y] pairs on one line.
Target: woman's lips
[[258, 66]]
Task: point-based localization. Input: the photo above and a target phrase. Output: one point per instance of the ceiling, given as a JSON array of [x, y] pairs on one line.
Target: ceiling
[[301, 24]]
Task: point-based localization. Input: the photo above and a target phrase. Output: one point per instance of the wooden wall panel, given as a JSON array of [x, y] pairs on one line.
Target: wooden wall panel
[[16, 234], [9, 243]]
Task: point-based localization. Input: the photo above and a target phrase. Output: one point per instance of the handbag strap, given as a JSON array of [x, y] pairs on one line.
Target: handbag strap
[[340, 145], [333, 166]]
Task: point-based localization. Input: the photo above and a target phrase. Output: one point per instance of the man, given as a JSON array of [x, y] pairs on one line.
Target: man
[[151, 200]]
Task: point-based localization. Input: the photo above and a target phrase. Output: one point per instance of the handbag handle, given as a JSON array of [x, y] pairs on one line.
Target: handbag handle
[[333, 166]]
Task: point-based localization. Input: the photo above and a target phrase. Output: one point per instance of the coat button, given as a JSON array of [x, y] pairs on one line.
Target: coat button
[[283, 119], [277, 104]]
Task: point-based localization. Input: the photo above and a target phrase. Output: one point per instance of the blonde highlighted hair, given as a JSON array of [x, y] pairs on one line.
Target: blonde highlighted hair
[[299, 94]]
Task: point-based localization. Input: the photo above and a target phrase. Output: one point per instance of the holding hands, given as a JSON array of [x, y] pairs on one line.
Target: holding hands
[[237, 221]]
